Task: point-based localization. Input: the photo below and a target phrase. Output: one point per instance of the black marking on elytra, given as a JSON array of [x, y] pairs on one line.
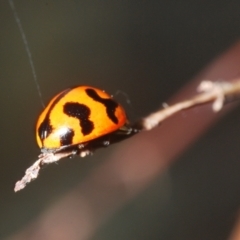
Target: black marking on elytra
[[67, 138], [82, 113], [108, 103], [45, 127]]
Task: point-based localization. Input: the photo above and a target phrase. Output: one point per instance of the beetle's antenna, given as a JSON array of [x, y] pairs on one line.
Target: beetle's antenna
[[26, 45]]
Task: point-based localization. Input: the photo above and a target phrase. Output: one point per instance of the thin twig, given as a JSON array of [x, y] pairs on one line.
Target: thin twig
[[216, 92]]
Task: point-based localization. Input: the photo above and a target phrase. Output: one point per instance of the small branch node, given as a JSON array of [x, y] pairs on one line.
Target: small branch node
[[218, 89]]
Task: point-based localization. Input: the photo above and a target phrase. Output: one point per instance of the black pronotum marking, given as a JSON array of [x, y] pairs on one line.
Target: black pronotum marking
[[45, 128], [108, 103], [67, 138], [82, 113]]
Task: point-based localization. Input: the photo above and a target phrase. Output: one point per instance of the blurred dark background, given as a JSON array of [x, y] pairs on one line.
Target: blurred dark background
[[148, 50]]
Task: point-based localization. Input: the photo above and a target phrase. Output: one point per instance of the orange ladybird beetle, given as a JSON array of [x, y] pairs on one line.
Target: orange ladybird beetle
[[77, 121], [77, 117]]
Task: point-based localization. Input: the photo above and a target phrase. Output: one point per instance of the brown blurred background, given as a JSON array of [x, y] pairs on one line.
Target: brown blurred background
[[148, 50]]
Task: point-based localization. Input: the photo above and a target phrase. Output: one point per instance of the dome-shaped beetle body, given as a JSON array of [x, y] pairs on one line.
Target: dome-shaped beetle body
[[78, 115]]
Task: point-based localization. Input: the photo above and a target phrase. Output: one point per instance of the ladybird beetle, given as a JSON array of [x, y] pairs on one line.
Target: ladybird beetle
[[76, 116], [77, 121]]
